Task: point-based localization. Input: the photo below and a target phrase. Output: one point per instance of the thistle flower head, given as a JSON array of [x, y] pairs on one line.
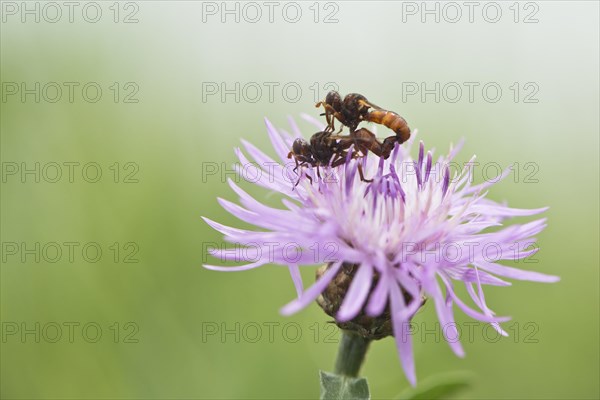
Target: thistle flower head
[[414, 232]]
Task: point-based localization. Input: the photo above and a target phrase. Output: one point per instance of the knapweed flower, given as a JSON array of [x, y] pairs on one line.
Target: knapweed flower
[[413, 232]]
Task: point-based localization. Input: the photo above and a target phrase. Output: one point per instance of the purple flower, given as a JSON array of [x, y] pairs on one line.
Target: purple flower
[[413, 232]]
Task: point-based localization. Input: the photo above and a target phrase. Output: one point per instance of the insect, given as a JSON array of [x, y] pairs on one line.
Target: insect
[[365, 141], [355, 108], [327, 150]]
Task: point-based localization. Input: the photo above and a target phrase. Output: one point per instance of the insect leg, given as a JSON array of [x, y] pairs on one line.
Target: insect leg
[[362, 175]]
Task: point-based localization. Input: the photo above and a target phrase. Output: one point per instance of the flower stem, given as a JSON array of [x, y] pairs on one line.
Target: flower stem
[[351, 354]]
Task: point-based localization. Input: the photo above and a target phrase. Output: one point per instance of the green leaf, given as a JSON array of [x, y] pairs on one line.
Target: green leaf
[[440, 386], [337, 387]]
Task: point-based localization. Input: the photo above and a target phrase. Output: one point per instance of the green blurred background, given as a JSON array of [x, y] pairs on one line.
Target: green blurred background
[[153, 313]]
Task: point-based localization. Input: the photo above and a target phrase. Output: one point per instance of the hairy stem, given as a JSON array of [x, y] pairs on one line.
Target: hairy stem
[[351, 354]]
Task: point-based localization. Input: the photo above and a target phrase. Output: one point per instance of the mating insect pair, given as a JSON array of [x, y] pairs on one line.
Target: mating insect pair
[[325, 148]]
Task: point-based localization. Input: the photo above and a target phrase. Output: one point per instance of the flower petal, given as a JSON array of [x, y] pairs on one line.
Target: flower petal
[[515, 273], [279, 145], [313, 292], [357, 293], [402, 335], [236, 268], [296, 278]]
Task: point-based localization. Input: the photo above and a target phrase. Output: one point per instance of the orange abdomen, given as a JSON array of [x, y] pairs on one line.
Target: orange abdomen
[[393, 121]]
